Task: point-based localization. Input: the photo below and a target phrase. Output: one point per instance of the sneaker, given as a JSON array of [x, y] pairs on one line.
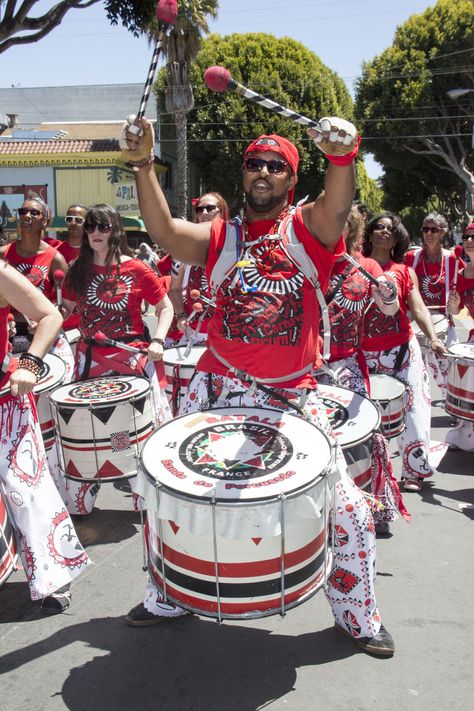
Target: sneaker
[[381, 644], [139, 616], [57, 602]]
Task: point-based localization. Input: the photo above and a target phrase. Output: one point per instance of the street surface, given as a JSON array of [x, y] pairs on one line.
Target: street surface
[[88, 659]]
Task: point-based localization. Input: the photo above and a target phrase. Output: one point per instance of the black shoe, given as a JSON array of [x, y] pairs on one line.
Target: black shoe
[[382, 644], [382, 528], [57, 602], [140, 617]]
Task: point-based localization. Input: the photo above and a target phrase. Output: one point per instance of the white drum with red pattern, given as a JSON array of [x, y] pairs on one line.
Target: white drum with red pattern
[[53, 374], [388, 393], [180, 365], [102, 425], [8, 554], [354, 418], [460, 381], [237, 506]]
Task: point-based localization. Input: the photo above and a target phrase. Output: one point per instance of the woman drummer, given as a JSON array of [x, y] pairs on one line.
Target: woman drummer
[[348, 297], [32, 256], [108, 287], [462, 436], [435, 268], [390, 346], [50, 550]]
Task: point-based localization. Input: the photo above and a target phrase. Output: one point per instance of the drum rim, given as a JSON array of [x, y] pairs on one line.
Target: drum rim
[[38, 389], [232, 503], [465, 356], [98, 404], [182, 348], [392, 377], [360, 440]]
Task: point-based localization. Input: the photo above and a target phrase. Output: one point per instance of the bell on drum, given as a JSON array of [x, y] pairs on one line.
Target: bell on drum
[[8, 554], [388, 393], [460, 382], [237, 506], [179, 370], [354, 418], [101, 425]]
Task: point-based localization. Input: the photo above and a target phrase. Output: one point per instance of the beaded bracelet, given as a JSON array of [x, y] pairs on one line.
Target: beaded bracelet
[[29, 364], [136, 165], [161, 341], [31, 356]]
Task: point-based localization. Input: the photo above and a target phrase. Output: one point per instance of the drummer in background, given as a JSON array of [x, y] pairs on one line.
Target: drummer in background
[[263, 335], [348, 297], [189, 278], [108, 287], [435, 268], [37, 260], [51, 553], [462, 435], [390, 346], [75, 216]]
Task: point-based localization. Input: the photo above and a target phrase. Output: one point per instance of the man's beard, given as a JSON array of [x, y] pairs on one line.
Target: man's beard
[[265, 204]]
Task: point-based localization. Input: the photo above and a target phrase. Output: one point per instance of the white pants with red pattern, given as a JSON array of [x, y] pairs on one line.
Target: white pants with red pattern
[[350, 589], [414, 442], [50, 550]]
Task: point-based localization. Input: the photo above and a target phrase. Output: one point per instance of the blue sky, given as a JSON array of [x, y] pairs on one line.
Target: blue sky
[[86, 49]]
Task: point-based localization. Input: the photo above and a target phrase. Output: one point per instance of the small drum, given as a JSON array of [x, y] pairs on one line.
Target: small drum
[[8, 554], [388, 394], [460, 382], [179, 370], [237, 506], [54, 371], [354, 418], [440, 325], [102, 425]]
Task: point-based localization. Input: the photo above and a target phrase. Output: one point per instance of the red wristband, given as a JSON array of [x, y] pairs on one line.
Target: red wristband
[[346, 159]]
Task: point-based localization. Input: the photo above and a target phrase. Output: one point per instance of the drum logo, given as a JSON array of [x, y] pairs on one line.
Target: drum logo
[[100, 389], [337, 413], [236, 450]]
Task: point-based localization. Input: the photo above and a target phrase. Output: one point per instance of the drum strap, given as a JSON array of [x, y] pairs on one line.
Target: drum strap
[[400, 356]]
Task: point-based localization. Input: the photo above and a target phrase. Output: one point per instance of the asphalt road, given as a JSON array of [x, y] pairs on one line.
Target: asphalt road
[[88, 659]]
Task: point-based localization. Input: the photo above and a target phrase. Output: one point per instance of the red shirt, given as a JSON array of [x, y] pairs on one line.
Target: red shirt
[[272, 332], [36, 268], [112, 304], [465, 289], [383, 332], [432, 275], [163, 266], [347, 307], [196, 279], [69, 253]]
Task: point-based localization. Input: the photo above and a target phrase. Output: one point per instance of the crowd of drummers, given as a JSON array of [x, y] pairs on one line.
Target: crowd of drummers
[[72, 317]]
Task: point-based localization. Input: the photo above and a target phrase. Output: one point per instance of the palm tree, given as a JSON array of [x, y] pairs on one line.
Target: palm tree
[[180, 48]]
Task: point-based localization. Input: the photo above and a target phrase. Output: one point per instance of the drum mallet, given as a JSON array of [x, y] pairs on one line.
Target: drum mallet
[[458, 251], [371, 277], [102, 340], [58, 278], [166, 13]]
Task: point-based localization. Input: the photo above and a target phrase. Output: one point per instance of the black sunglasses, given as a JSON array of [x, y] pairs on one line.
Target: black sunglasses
[[103, 228], [469, 236], [206, 208], [70, 219], [433, 230], [379, 227], [274, 167], [23, 211]]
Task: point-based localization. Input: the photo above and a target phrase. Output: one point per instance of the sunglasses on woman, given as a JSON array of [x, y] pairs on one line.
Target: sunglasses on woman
[[206, 208], [469, 236], [274, 167], [23, 211], [433, 230], [74, 219], [103, 228], [379, 227]]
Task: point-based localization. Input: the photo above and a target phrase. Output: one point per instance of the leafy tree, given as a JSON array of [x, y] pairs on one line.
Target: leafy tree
[[368, 191], [423, 137], [221, 125]]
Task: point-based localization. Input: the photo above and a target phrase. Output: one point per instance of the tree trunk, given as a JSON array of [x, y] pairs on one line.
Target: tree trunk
[[182, 164]]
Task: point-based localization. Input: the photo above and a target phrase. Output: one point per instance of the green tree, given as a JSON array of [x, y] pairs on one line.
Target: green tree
[[221, 125], [422, 138]]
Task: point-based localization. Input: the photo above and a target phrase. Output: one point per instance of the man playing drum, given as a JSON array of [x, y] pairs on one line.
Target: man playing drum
[[268, 274]]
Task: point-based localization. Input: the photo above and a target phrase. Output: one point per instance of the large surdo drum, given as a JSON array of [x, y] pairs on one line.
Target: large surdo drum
[[354, 418], [237, 506], [388, 393], [101, 426], [460, 381], [180, 364]]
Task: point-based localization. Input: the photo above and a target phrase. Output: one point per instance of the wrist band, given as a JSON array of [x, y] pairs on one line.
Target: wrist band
[[30, 362], [435, 340], [161, 341], [345, 159], [181, 315], [136, 165]]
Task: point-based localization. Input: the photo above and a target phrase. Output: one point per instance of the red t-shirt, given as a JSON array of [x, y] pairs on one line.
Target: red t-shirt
[[347, 307], [69, 253], [163, 266], [196, 279], [432, 275], [465, 289], [112, 304], [52, 241], [36, 268], [382, 332], [272, 332]]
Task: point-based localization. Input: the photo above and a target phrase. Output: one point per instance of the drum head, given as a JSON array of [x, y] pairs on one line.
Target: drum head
[[462, 350], [440, 325], [353, 417], [101, 391], [175, 356], [54, 370], [385, 387], [236, 454]]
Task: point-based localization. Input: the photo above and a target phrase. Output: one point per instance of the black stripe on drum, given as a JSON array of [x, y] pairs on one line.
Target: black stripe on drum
[[461, 403], [76, 440], [244, 589]]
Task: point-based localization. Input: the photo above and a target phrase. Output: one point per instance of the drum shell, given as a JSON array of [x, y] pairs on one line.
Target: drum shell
[[194, 537], [391, 404], [8, 552], [103, 440], [179, 371], [460, 382]]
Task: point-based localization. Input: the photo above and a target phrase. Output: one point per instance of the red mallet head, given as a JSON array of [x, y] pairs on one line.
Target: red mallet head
[[458, 251], [194, 293], [58, 277], [217, 78], [197, 307], [100, 337], [167, 11]]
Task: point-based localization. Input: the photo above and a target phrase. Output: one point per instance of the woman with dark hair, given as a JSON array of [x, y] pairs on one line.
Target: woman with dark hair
[[193, 278], [108, 287], [390, 346]]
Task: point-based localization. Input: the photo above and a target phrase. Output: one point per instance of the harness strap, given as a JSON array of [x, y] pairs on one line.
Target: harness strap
[[243, 375]]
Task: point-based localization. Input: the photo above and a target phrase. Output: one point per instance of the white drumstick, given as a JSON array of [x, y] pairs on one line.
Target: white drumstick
[[102, 340]]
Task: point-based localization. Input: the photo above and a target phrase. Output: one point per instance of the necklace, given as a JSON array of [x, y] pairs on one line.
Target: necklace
[[433, 279]]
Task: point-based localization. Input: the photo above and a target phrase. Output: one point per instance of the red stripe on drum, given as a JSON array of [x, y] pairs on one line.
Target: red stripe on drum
[[105, 448], [467, 395]]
